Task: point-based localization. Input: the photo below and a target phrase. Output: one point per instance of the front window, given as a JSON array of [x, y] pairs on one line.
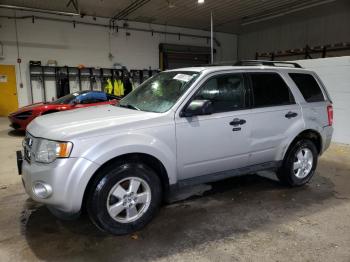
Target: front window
[[226, 93], [159, 93]]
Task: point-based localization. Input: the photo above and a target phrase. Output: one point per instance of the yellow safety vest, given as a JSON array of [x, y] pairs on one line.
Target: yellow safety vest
[[109, 87], [121, 86], [118, 88]]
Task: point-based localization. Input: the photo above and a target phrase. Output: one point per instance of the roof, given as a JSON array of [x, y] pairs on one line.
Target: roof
[[229, 15], [211, 69]]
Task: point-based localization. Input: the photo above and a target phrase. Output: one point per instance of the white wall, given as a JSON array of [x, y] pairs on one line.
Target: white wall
[[328, 29], [89, 45], [335, 74]]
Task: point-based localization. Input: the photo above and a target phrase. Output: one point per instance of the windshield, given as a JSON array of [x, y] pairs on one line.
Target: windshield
[[159, 93], [68, 99]]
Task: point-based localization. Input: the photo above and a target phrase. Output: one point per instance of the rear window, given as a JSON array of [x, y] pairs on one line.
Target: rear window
[[308, 87], [269, 89], [92, 97]]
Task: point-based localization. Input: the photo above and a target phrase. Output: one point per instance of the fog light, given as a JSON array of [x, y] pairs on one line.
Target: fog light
[[42, 190]]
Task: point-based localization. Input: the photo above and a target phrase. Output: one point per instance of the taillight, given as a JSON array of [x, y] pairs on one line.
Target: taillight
[[330, 114]]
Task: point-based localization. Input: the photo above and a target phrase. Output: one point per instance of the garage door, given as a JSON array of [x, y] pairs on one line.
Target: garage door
[[177, 56]]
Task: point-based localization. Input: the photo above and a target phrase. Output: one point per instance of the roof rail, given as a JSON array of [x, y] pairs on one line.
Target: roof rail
[[216, 64], [266, 63]]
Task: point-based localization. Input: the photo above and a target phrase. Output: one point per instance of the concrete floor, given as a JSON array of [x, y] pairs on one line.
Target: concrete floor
[[251, 218]]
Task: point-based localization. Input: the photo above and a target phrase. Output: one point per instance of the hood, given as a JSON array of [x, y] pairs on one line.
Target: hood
[[88, 121], [28, 107]]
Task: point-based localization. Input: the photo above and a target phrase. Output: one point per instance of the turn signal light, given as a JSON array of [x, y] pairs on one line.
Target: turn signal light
[[63, 149]]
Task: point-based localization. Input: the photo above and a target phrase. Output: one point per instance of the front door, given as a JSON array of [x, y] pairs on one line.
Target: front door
[[8, 90], [208, 144]]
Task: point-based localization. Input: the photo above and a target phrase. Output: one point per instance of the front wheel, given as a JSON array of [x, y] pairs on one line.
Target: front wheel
[[124, 198], [299, 164]]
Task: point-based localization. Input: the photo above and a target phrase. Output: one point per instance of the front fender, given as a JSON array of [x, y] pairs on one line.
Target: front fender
[[104, 149]]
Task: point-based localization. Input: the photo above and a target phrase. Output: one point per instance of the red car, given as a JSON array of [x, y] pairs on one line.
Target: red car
[[23, 116]]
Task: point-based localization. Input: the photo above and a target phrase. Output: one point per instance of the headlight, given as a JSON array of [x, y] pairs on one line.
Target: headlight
[[47, 150]]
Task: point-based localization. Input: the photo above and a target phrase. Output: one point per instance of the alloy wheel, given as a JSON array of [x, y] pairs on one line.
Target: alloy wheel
[[303, 163], [129, 199]]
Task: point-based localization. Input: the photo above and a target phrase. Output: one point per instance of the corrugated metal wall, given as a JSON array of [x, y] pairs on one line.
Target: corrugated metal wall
[[329, 29]]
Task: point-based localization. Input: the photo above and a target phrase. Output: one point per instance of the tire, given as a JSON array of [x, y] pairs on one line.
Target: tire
[[290, 176], [112, 192]]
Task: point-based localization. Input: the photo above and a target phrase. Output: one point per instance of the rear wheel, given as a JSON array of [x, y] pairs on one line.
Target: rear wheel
[[299, 164], [124, 198]]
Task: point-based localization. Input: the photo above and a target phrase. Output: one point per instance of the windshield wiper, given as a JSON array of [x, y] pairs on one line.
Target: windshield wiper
[[129, 106]]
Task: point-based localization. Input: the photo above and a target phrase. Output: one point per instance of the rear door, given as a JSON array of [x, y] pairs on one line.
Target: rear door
[[275, 116]]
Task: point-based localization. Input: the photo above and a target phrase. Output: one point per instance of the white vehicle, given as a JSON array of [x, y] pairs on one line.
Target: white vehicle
[[180, 127]]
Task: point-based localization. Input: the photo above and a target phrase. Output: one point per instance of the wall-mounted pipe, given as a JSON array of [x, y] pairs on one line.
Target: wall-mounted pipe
[[38, 10], [129, 9], [108, 26]]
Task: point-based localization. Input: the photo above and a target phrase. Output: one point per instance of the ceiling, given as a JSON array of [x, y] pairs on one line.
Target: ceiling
[[229, 15]]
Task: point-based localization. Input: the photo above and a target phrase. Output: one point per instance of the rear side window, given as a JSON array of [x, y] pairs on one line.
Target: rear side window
[[308, 87], [269, 89]]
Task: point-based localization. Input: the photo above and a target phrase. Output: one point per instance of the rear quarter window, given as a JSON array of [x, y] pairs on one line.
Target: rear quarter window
[[308, 87]]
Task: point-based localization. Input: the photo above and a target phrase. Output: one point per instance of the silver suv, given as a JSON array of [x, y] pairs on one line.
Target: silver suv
[[181, 127]]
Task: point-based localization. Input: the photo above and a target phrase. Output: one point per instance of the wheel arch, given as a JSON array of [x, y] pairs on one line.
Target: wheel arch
[[310, 134], [149, 160]]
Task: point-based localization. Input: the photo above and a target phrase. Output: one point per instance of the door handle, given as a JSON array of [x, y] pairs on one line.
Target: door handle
[[237, 122], [290, 114]]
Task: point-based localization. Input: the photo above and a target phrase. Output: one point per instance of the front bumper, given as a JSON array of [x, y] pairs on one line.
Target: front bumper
[[67, 178], [19, 124]]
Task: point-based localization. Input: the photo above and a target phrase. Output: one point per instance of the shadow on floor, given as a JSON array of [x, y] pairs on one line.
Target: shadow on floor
[[16, 133], [232, 207]]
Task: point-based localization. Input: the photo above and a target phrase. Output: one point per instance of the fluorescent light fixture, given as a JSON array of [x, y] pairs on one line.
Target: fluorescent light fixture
[[200, 1], [285, 12]]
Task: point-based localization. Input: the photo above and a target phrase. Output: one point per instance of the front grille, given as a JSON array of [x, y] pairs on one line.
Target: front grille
[[28, 143]]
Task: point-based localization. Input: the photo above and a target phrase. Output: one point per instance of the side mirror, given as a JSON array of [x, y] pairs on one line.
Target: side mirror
[[197, 107]]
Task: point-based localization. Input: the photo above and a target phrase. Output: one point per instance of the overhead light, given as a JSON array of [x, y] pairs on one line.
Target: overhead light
[[276, 14], [200, 1]]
